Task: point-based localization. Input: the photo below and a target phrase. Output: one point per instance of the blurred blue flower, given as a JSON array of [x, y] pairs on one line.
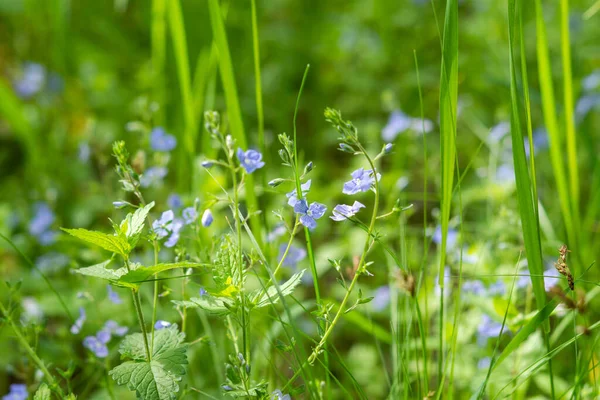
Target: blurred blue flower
[[592, 81], [207, 218], [31, 80], [499, 131], [540, 141], [120, 204], [84, 152], [309, 214], [497, 288], [160, 324], [585, 104], [52, 261], [277, 232], [361, 181], [202, 292], [342, 212], [174, 201], [398, 122], [523, 282], [175, 230], [250, 160], [153, 175], [487, 329], [163, 225], [505, 173], [189, 215], [113, 296], [293, 195], [381, 298], [278, 395], [484, 363], [294, 255], [40, 224], [475, 287], [421, 126], [96, 346], [32, 311], [114, 328], [18, 391], [161, 140], [76, 328], [451, 239], [549, 281]]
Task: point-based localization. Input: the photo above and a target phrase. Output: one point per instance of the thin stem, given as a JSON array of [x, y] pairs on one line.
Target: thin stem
[[358, 272], [287, 249], [155, 300], [140, 315]]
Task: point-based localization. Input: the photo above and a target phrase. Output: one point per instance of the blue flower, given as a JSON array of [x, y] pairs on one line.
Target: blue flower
[[83, 152], [153, 175], [309, 214], [549, 280], [451, 239], [31, 81], [293, 195], [277, 232], [52, 261], [487, 329], [76, 328], [174, 201], [278, 395], [161, 140], [207, 164], [397, 123], [499, 131], [113, 296], [343, 211], [505, 173], [207, 218], [497, 288], [592, 81], [96, 346], [585, 104], [293, 257], [18, 391], [189, 215], [361, 181], [40, 224], [202, 292], [387, 149], [175, 229], [114, 328], [250, 160], [484, 363], [381, 298], [475, 287], [162, 226], [160, 324], [32, 312]]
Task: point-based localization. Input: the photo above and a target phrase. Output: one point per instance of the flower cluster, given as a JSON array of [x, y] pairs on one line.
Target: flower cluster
[[399, 122], [97, 344], [161, 140], [250, 160], [18, 391], [169, 225]]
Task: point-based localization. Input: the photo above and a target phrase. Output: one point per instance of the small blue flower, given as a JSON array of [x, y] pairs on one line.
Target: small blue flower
[[522, 282], [487, 329], [160, 324], [40, 224], [161, 140], [361, 181], [96, 346], [381, 298], [207, 218], [174, 201], [397, 123], [31, 81], [113, 296], [175, 230], [103, 336], [484, 363], [250, 160], [277, 232], [114, 328], [84, 152], [293, 257], [585, 104], [497, 289], [153, 175], [52, 261], [202, 292], [189, 215], [499, 131], [18, 391], [207, 164], [163, 225], [451, 239], [293, 195], [387, 149], [549, 280], [278, 395], [342, 212], [505, 174], [309, 214], [76, 328], [592, 81], [475, 287]]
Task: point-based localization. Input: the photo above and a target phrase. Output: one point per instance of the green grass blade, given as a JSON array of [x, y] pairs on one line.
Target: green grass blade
[[188, 138], [448, 101], [257, 80], [159, 46], [233, 105]]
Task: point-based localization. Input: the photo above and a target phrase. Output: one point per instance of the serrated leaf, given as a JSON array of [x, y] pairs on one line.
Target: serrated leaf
[[135, 277], [112, 243], [135, 223], [43, 393], [100, 271], [156, 379], [212, 304], [271, 296]]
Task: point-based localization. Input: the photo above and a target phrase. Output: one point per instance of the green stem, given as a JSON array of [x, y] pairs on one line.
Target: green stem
[[155, 300], [29, 350], [138, 308]]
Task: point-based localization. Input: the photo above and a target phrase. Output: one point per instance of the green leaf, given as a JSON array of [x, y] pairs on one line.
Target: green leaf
[[212, 304], [112, 243], [135, 223], [100, 271], [135, 277], [271, 296], [43, 393], [156, 379]]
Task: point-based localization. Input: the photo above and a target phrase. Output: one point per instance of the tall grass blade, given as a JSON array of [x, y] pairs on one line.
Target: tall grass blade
[[233, 105], [159, 49]]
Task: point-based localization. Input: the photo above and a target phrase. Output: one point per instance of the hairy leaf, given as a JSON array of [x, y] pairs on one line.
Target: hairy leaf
[[135, 277], [100, 271], [135, 223], [112, 243], [159, 378], [271, 296], [212, 304], [43, 393]]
